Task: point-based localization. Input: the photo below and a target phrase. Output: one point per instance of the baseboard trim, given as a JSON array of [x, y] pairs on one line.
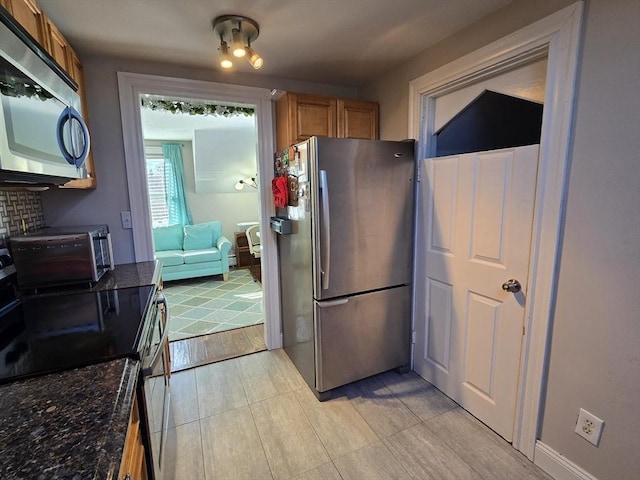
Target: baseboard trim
[[557, 465]]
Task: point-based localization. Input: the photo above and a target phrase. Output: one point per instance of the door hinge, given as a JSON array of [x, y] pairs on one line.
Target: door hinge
[[413, 337], [523, 330]]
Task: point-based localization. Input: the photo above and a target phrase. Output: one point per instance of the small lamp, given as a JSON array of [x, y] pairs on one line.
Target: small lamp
[[246, 181]]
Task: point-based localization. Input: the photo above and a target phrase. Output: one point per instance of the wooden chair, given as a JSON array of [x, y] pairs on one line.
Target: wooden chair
[[253, 238]]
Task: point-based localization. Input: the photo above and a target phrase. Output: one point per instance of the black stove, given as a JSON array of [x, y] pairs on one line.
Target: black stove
[[48, 333]]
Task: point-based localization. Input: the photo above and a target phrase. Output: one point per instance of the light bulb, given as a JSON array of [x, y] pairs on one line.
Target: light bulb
[[237, 47], [225, 60], [253, 58]]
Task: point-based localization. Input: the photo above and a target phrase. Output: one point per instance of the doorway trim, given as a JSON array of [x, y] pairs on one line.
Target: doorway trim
[[558, 38], [130, 87]]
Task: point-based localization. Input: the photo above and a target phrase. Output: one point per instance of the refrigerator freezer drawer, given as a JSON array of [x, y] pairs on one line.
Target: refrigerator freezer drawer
[[362, 335]]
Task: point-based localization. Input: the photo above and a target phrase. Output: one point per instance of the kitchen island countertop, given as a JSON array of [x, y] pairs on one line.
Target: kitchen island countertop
[[68, 425]]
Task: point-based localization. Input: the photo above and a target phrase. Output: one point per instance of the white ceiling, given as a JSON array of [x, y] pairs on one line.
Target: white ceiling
[[343, 42]]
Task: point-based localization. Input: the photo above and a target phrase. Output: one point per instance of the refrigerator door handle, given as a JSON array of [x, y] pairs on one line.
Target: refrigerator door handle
[[332, 303], [325, 247]]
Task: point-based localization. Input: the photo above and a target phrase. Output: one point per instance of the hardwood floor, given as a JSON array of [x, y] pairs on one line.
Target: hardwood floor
[[205, 349], [253, 417]]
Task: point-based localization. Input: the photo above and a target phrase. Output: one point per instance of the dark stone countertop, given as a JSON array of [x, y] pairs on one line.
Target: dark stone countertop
[[130, 275], [70, 425], [122, 276]]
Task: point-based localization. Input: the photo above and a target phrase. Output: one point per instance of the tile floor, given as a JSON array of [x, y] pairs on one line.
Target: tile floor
[[254, 418], [204, 305]]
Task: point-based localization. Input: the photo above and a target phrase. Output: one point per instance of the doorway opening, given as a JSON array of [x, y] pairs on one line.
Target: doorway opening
[[132, 88], [555, 37], [204, 149], [197, 155]]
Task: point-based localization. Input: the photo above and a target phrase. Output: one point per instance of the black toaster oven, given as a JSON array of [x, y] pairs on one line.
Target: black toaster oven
[[55, 256]]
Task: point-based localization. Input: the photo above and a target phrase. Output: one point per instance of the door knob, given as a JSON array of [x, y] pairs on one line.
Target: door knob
[[512, 286]]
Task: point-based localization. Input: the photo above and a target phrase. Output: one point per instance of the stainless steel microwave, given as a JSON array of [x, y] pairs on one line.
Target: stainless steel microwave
[[43, 138], [62, 256]]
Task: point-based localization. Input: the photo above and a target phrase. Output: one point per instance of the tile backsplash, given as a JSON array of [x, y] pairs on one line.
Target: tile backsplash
[[16, 206]]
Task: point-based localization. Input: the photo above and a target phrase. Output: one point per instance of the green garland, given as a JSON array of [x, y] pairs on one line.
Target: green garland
[[195, 108], [20, 89]]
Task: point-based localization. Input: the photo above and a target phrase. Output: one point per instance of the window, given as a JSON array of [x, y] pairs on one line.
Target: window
[[165, 181], [155, 183]]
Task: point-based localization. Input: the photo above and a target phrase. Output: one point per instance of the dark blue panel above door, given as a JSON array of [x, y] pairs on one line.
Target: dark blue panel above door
[[490, 122]]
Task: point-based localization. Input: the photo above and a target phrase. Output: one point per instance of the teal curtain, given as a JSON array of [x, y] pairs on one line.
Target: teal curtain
[[174, 185]]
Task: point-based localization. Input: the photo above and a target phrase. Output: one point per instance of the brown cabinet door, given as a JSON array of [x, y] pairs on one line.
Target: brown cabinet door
[[357, 119], [133, 460], [300, 116], [29, 15], [58, 46], [314, 115]]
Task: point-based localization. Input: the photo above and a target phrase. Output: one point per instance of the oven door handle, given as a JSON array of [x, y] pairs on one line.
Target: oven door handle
[[157, 354], [111, 261], [161, 299]]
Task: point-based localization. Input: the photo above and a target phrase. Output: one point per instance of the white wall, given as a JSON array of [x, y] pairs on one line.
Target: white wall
[[221, 157], [526, 82], [104, 204], [595, 347], [228, 208]]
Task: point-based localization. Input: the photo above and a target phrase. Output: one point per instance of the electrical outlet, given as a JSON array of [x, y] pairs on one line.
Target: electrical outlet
[[126, 219], [589, 427]]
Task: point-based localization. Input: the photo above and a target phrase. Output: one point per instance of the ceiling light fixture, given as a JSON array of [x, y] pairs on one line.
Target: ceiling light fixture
[[238, 31]]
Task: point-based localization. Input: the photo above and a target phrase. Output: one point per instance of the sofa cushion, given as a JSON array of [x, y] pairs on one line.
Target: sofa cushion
[[199, 256], [217, 230], [198, 236], [168, 238], [171, 257]]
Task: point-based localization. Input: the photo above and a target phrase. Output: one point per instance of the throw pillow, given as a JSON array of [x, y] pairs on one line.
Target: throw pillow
[[198, 237], [168, 238]]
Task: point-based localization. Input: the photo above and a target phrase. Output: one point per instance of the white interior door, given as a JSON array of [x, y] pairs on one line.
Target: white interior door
[[475, 218]]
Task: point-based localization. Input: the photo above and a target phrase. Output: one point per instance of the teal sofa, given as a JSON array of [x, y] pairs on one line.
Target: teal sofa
[[192, 250]]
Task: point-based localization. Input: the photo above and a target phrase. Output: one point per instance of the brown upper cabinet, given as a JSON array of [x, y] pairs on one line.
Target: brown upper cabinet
[[357, 119], [300, 116], [28, 14], [58, 47]]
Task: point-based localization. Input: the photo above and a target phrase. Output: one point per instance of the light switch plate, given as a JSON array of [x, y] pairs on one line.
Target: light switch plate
[[126, 219]]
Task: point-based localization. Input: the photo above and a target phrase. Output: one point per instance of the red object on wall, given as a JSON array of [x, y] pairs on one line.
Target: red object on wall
[[280, 188]]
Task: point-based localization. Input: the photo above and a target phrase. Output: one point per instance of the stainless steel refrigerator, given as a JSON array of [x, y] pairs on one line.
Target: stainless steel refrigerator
[[345, 268]]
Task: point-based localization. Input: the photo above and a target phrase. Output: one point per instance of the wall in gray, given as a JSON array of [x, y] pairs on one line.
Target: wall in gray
[[595, 347], [595, 350], [104, 204]]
